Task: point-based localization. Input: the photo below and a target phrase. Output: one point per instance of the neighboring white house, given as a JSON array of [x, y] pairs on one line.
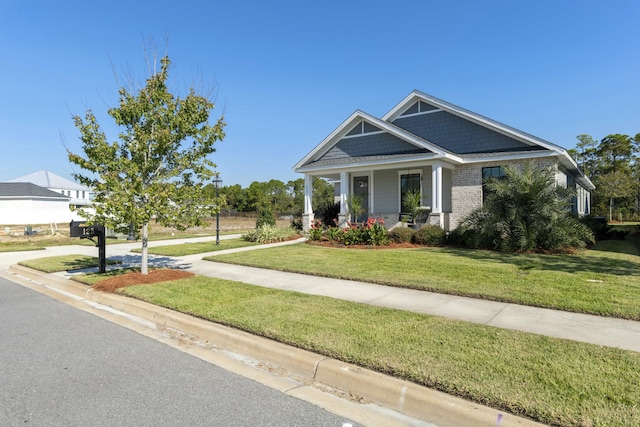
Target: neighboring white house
[[41, 198], [433, 147], [79, 194], [24, 203]]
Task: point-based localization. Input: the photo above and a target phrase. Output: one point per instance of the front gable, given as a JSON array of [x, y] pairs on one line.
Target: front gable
[[459, 135], [362, 139], [366, 140]]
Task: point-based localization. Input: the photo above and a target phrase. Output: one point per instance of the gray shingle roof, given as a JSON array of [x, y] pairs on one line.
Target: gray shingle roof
[[27, 190], [49, 179]]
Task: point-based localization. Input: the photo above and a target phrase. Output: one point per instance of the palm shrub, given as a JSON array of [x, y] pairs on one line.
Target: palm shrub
[[525, 211], [413, 200]]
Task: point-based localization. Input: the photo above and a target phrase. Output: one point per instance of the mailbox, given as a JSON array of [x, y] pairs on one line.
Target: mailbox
[[77, 228], [82, 230]]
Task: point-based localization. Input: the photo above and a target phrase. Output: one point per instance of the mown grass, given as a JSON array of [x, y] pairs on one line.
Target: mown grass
[[20, 247], [558, 382], [604, 280], [196, 248], [64, 263]]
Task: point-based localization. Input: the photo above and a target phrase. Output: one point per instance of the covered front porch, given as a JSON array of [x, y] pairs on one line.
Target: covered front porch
[[381, 192]]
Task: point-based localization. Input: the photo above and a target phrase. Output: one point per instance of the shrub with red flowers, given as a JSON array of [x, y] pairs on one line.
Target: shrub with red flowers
[[372, 232], [316, 229]]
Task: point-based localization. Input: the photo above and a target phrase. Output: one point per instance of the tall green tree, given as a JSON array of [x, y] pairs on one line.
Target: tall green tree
[[585, 153], [614, 185], [613, 164], [323, 195], [158, 168], [234, 196], [615, 152]]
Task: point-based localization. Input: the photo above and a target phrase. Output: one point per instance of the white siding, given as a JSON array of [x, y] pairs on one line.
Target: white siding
[[27, 212]]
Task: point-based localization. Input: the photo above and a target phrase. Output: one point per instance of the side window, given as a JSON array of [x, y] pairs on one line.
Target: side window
[[491, 172], [408, 183]]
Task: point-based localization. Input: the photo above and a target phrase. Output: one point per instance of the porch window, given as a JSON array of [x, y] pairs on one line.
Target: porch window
[[408, 183]]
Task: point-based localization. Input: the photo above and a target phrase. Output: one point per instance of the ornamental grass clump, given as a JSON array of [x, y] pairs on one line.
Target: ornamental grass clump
[[270, 234]]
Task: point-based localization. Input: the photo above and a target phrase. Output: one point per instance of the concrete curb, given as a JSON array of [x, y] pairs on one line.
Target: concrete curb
[[389, 392]]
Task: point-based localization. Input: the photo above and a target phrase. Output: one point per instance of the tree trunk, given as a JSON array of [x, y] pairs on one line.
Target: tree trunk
[[144, 269], [611, 209]]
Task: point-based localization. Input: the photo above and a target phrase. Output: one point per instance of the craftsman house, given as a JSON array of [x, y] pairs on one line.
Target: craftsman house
[[427, 145]]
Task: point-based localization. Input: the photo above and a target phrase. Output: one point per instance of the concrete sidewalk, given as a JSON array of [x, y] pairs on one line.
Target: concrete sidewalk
[[389, 392], [606, 331]]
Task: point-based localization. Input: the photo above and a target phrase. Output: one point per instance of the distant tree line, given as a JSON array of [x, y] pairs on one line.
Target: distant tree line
[[275, 196], [613, 164]]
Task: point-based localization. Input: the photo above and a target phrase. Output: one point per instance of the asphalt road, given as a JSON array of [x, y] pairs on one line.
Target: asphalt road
[[60, 366]]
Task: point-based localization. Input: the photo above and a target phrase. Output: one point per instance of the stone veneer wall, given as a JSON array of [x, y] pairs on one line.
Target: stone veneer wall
[[390, 219], [466, 187]]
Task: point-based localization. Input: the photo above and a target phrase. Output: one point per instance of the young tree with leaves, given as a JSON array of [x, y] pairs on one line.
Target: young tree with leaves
[[613, 164], [158, 168]]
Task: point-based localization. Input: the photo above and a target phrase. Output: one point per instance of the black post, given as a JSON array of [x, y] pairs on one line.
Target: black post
[[102, 253], [216, 182], [99, 232]]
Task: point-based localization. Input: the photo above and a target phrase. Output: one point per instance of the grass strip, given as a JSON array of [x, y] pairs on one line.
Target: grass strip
[[196, 248], [603, 281], [20, 248], [64, 263], [554, 381]]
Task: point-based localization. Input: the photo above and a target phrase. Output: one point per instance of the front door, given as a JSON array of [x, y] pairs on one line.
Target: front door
[[361, 194]]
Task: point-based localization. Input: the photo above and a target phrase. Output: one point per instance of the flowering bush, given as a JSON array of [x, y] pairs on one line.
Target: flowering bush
[[352, 235], [315, 231], [335, 234], [371, 232], [374, 233]]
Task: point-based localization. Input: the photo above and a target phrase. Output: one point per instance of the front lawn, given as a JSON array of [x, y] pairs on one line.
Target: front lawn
[[64, 263], [554, 381], [604, 280]]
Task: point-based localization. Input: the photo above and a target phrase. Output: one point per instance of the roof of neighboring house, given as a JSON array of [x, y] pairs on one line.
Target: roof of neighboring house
[[48, 179], [425, 127], [27, 190]]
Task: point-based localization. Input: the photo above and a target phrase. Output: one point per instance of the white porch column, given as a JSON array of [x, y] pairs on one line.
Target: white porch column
[[307, 216], [343, 217], [436, 193]]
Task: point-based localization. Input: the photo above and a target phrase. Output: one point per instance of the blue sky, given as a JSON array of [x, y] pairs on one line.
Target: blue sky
[[285, 74]]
